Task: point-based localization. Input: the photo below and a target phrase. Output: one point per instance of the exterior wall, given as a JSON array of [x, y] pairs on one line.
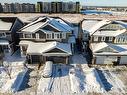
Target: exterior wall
[[39, 59], [23, 49], [123, 60], [122, 39], [105, 59], [57, 59], [15, 37], [97, 39], [43, 37], [35, 59]]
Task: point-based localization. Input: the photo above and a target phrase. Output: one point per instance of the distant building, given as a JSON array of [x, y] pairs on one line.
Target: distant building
[[18, 8], [58, 7], [1, 8], [105, 8]]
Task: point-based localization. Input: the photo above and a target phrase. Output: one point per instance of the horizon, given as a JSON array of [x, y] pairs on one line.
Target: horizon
[[82, 2]]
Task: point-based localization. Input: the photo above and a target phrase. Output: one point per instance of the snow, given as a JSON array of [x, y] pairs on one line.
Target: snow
[[47, 71], [75, 80], [92, 82], [5, 25], [4, 42], [33, 28], [39, 48], [17, 72], [78, 59], [109, 33], [95, 25], [117, 84], [9, 85], [71, 39], [119, 49], [58, 24]]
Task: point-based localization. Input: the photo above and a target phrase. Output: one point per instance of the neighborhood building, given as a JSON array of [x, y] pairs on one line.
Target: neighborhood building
[[47, 39], [8, 35], [107, 40]]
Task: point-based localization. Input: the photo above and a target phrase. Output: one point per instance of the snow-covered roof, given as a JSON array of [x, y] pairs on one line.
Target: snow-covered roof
[[87, 24], [109, 33], [4, 42], [42, 48], [119, 49], [5, 25], [72, 39], [43, 21], [25, 42], [33, 27], [92, 26]]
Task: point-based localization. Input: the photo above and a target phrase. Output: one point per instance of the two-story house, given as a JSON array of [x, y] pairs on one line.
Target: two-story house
[[108, 40], [8, 34], [47, 38]]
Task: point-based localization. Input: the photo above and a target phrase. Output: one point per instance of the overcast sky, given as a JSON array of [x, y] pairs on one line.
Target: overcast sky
[[83, 2]]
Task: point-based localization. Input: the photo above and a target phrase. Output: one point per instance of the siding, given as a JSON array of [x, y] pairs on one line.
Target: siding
[[123, 60]]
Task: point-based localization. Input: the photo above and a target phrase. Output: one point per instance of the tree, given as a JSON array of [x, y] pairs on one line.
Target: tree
[[7, 68]]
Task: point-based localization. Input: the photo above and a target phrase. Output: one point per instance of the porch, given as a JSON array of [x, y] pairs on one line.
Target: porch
[[40, 59]]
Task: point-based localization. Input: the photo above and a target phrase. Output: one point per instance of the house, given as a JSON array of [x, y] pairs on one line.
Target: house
[[47, 39], [107, 40], [8, 34]]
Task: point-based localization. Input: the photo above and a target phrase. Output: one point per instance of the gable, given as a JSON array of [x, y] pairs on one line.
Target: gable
[[55, 50], [50, 28], [106, 49], [112, 26]]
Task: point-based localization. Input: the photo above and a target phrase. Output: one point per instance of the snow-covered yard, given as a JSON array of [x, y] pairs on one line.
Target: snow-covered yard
[[12, 85], [12, 73], [77, 78]]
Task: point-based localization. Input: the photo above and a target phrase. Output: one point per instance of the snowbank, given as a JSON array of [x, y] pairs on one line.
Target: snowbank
[[93, 85], [8, 85], [77, 85]]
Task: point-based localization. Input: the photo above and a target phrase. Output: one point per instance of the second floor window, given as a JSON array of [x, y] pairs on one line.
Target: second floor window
[[28, 35], [49, 36]]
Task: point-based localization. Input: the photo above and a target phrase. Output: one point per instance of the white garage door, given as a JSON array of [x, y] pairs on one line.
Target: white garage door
[[123, 60], [105, 59]]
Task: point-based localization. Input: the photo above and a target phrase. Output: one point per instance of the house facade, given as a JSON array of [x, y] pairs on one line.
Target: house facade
[[47, 39], [108, 40], [9, 39]]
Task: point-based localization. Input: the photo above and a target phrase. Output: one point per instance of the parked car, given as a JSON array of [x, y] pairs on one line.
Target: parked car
[[47, 72]]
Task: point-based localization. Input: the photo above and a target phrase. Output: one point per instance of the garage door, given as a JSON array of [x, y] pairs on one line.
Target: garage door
[[106, 59], [56, 59], [123, 60], [35, 58]]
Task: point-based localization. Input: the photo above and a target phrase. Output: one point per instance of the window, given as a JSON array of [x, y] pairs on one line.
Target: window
[[37, 35], [95, 38], [49, 36], [64, 35], [123, 39], [110, 38], [56, 35], [2, 34], [103, 39], [28, 35]]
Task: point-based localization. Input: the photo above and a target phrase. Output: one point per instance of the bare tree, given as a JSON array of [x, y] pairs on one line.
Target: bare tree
[[7, 68]]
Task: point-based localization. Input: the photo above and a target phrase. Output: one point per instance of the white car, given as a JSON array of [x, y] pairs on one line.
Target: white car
[[47, 72]]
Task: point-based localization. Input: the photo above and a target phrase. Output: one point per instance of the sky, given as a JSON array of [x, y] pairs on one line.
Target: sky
[[83, 2]]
